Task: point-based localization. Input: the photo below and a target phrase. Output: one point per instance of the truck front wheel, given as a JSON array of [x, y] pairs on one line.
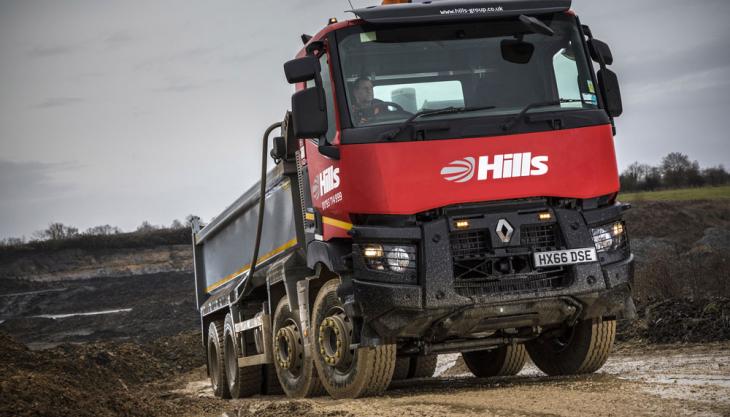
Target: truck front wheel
[[346, 372], [581, 349], [503, 361], [294, 365], [216, 361]]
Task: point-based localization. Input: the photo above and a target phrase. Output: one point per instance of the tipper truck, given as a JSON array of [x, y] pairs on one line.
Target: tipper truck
[[445, 181]]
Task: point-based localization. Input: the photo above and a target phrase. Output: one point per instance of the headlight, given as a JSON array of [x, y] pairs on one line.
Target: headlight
[[609, 237], [395, 258], [398, 259]]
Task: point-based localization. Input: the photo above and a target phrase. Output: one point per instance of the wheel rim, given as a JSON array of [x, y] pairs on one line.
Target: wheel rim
[[335, 338], [288, 349]]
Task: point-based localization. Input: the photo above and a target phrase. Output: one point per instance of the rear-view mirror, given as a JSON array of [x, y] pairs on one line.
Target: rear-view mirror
[[309, 116], [516, 51], [600, 49], [301, 70], [608, 83]]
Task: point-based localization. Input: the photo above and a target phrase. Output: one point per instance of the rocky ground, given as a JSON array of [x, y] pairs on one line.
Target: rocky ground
[[167, 378], [130, 345], [637, 381]]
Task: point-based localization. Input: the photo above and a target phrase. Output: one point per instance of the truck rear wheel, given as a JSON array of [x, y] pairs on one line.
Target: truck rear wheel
[[294, 366], [271, 385], [504, 361], [346, 372], [402, 368], [423, 366], [242, 382], [407, 367], [216, 361], [582, 349]]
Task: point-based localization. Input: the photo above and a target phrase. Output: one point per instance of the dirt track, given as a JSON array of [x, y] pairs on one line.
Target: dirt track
[[669, 380]]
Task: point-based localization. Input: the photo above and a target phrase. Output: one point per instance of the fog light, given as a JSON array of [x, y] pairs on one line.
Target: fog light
[[602, 239], [373, 251], [618, 229], [398, 259], [609, 237], [543, 217]]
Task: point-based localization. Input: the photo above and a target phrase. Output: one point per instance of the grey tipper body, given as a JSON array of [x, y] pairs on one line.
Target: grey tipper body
[[224, 248]]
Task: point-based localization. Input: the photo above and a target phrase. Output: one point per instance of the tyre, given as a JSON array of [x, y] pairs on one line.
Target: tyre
[[294, 367], [216, 362], [581, 349], [423, 366], [242, 382], [271, 385], [402, 368], [407, 367], [503, 361], [346, 372]]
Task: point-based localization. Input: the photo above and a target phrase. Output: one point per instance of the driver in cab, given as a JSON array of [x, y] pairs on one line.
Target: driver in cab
[[365, 108]]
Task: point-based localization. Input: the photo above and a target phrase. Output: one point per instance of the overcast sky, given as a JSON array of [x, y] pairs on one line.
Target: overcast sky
[[117, 112]]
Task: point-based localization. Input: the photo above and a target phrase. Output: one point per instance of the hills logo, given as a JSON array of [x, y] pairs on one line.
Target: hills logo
[[501, 166], [459, 171], [326, 181]]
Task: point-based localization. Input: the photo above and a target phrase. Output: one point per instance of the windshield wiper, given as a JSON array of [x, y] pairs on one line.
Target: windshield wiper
[[392, 134], [513, 121]]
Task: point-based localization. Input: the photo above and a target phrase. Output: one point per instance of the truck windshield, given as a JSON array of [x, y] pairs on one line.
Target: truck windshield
[[498, 67]]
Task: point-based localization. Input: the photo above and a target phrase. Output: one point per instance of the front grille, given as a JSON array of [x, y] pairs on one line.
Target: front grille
[[539, 236], [481, 271], [469, 254], [469, 244]]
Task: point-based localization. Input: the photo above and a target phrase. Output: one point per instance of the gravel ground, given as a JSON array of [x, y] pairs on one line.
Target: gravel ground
[[638, 380]]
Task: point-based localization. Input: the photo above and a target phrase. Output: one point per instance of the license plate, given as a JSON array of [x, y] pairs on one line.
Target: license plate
[[565, 257]]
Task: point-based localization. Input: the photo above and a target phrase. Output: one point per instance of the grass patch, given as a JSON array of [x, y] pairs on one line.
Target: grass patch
[[684, 194]]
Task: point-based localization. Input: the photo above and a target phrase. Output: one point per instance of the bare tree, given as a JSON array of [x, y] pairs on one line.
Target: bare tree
[[653, 179], [634, 176], [57, 231], [679, 171], [716, 176], [146, 227], [103, 230], [12, 241]]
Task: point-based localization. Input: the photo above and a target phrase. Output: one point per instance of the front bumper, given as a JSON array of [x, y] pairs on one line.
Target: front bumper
[[443, 306]]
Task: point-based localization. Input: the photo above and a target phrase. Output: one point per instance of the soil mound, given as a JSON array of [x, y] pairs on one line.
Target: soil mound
[[679, 321], [95, 379]]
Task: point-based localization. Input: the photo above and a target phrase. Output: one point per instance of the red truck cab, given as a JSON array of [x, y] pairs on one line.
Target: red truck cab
[[459, 179]]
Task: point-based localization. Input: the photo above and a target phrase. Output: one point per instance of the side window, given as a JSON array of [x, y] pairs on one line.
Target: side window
[[329, 98], [569, 83], [566, 78]]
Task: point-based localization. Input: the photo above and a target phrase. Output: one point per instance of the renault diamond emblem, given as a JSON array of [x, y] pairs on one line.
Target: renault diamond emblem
[[504, 231]]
